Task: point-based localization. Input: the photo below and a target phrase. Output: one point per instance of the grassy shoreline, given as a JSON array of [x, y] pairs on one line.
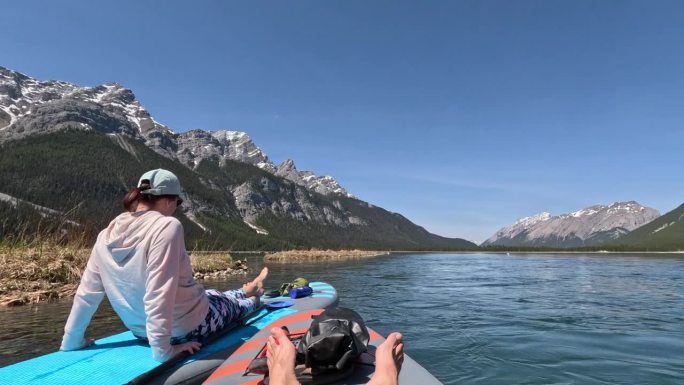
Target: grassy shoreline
[[46, 273], [41, 273], [291, 256]]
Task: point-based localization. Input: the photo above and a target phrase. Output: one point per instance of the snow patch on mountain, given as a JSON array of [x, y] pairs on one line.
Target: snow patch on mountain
[[663, 227], [259, 230], [529, 221], [6, 118], [42, 210]]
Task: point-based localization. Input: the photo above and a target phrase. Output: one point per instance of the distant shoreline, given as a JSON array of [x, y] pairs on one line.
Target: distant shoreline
[[297, 256], [538, 252]]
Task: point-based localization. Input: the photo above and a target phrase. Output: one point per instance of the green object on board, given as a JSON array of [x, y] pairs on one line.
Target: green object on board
[[287, 286]]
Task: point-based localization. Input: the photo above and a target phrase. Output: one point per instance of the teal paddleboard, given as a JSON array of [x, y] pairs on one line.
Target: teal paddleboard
[[119, 358]]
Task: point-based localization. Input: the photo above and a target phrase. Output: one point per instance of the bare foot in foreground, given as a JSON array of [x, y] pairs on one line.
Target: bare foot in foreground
[[388, 359], [256, 287], [280, 357]]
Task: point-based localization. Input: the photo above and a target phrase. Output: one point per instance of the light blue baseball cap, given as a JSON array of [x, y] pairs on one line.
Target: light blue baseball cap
[[162, 182]]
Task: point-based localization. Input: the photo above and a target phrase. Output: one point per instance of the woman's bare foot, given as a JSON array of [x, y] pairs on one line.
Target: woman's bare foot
[[280, 356], [256, 287], [388, 359]]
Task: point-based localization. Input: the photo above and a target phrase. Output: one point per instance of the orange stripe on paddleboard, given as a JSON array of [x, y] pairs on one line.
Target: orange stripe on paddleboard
[[259, 343], [374, 335], [297, 317], [234, 367]]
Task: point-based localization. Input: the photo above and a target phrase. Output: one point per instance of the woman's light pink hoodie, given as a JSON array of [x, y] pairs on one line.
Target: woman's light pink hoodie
[[139, 261]]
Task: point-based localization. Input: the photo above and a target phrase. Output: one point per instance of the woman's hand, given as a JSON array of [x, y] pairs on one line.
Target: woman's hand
[[84, 344], [190, 347]]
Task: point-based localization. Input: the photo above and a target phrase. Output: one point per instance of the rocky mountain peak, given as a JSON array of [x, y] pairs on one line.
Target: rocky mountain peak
[[288, 170], [590, 225], [195, 145], [288, 164], [18, 77], [29, 107]]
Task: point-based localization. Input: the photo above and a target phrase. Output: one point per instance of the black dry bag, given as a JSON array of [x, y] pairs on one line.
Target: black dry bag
[[336, 337]]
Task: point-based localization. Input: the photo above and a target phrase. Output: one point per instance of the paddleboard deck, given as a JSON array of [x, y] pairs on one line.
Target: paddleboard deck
[[234, 370], [119, 358]]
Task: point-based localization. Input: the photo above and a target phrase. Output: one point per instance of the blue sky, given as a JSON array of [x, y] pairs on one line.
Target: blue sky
[[461, 115]]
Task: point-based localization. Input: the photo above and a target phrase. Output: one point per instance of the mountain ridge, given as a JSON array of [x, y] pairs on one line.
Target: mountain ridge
[[78, 151], [586, 227], [21, 95]]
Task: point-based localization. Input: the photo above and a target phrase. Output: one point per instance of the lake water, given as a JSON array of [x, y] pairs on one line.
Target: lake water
[[478, 318]]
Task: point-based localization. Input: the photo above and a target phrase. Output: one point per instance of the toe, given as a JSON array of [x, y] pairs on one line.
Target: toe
[[395, 338]]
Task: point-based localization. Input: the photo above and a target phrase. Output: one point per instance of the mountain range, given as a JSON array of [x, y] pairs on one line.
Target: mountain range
[[586, 227], [69, 154]]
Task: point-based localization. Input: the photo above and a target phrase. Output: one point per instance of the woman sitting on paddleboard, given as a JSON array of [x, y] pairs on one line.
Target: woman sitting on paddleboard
[[139, 261]]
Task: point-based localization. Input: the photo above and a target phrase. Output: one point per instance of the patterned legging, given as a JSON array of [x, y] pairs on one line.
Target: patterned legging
[[224, 308]]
